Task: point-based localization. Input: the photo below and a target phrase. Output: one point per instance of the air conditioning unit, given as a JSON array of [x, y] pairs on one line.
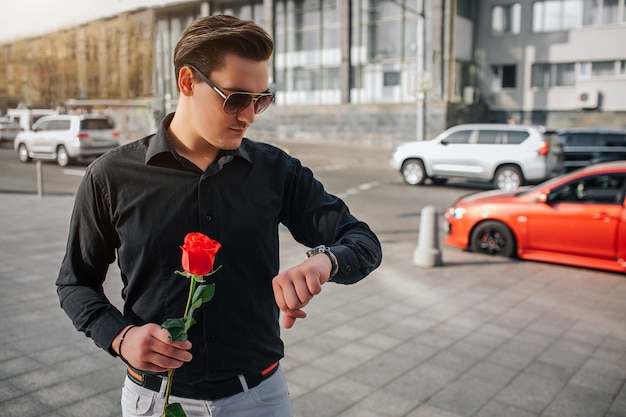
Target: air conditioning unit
[[587, 98]]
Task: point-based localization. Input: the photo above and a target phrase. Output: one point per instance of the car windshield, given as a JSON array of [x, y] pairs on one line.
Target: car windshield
[[528, 190]]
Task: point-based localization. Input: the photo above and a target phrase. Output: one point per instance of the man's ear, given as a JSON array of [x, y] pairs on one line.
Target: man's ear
[[185, 81]]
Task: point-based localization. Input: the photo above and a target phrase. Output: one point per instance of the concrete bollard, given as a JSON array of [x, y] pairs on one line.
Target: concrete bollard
[[427, 252], [39, 179]]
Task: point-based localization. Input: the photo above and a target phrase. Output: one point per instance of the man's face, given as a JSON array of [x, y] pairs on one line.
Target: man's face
[[211, 122]]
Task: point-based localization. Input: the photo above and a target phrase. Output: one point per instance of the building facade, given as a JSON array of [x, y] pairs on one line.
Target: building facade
[[376, 72]]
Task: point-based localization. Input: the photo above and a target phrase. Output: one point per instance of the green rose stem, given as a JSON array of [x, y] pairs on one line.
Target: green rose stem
[[170, 373], [178, 328]]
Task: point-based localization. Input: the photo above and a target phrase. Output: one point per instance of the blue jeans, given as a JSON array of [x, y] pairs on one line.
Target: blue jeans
[[268, 399]]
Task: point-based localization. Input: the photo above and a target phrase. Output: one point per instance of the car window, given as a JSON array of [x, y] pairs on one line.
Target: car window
[[96, 124], [45, 125], [596, 189], [516, 137], [582, 139], [487, 137], [615, 140], [462, 136], [59, 125]]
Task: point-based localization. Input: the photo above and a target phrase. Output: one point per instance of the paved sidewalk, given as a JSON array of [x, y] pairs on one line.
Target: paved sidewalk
[[478, 336]]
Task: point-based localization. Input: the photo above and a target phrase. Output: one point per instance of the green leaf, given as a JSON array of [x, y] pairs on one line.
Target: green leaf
[[177, 329], [203, 294], [173, 410]]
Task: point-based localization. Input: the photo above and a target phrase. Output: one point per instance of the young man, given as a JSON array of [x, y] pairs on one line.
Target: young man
[[199, 174]]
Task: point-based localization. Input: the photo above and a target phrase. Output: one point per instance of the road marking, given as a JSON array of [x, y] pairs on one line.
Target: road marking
[[355, 190], [76, 172]]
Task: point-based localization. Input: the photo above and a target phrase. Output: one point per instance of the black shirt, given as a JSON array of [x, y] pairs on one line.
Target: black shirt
[[136, 203]]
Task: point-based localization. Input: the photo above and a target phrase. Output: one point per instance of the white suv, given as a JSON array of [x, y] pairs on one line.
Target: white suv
[[66, 137], [507, 155]]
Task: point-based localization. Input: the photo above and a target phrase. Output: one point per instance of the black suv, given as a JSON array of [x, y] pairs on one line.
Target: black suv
[[580, 147]]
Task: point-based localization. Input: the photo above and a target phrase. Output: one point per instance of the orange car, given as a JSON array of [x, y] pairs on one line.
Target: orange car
[[575, 219]]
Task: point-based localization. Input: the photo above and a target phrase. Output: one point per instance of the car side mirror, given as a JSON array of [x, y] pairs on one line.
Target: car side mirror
[[542, 198], [443, 142]]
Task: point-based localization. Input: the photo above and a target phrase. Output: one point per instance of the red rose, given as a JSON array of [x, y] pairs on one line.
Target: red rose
[[199, 253]]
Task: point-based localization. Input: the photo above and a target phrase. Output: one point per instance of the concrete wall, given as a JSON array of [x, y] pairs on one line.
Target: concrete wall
[[380, 125]]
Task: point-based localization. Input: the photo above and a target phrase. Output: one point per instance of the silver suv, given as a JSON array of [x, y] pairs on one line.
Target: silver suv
[[507, 155], [67, 137]]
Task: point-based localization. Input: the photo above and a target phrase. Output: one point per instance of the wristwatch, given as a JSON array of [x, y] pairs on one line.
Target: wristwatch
[[333, 259]]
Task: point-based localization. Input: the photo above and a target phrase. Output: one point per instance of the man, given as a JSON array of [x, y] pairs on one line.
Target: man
[[199, 174]]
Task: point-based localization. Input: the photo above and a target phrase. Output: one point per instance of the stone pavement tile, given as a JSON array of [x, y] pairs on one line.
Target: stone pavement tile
[[346, 389], [380, 370], [576, 401], [530, 392], [465, 396], [99, 405], [24, 406], [596, 381], [496, 409], [499, 374], [383, 403], [609, 368], [412, 352], [421, 382], [346, 358], [62, 394], [38, 379], [9, 391], [314, 404], [618, 408]]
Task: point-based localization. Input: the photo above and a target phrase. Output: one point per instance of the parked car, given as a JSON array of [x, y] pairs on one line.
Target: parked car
[[67, 137], [575, 219], [584, 146], [507, 155], [8, 130]]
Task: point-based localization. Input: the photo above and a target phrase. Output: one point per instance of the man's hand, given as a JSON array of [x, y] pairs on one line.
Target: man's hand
[[296, 286], [149, 348]]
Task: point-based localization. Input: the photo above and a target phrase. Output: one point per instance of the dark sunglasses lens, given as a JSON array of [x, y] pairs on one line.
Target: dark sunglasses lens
[[236, 103], [263, 103]]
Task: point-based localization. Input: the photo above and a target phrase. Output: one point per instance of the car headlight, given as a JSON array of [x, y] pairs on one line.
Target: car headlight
[[455, 212]]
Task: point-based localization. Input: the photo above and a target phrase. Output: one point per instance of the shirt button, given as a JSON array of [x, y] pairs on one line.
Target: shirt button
[[208, 218], [349, 268]]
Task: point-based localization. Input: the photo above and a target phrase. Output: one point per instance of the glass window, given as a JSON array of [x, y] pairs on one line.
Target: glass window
[[540, 75], [565, 75], [487, 136], [553, 15], [460, 137], [622, 67], [330, 78], [602, 68], [506, 18], [504, 76], [509, 76], [615, 139], [597, 189], [391, 78], [515, 138], [95, 124], [609, 11]]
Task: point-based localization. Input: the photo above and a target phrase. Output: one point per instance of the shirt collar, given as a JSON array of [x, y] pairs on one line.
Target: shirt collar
[[161, 144]]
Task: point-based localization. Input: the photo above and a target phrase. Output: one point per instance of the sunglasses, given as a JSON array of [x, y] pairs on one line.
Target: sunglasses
[[235, 103]]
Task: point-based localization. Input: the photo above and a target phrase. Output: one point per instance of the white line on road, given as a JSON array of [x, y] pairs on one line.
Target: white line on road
[[77, 172]]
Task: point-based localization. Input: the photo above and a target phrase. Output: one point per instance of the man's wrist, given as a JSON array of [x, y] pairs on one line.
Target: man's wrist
[[331, 256]]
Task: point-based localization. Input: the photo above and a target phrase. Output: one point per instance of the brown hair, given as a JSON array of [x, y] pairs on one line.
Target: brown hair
[[208, 39]]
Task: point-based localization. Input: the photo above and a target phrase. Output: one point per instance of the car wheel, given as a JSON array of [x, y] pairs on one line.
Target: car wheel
[[493, 238], [413, 172], [508, 178], [63, 158], [22, 153]]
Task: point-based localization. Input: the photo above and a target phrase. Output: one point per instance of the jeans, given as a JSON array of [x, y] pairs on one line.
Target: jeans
[[268, 399]]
